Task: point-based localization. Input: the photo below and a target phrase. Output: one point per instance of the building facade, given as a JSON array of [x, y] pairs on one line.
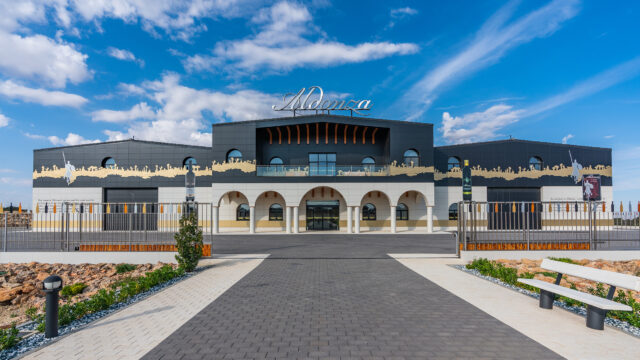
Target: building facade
[[319, 172]]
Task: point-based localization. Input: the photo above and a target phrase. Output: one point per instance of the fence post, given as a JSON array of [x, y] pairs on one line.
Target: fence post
[[66, 228], [590, 222], [461, 210], [4, 239], [130, 227]]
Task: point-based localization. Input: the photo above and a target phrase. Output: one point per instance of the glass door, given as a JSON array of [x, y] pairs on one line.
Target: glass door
[[323, 215]]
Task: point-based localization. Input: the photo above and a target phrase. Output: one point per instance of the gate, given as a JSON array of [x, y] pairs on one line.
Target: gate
[[540, 225]]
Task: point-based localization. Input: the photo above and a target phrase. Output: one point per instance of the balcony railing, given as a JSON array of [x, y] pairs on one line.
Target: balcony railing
[[329, 170]]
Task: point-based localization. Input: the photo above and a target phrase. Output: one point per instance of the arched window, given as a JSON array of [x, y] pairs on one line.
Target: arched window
[[275, 212], [453, 162], [109, 163], [535, 163], [234, 155], [368, 212], [368, 163], [242, 212], [402, 212], [453, 211], [275, 161], [411, 158], [189, 163]]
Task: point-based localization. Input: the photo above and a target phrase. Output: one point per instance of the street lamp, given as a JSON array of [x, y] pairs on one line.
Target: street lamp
[[51, 287]]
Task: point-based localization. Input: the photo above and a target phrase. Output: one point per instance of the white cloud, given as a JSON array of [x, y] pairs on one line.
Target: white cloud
[[4, 121], [566, 138], [40, 96], [15, 181], [138, 111], [34, 136], [478, 126], [609, 136], [491, 42], [456, 129], [399, 14], [42, 58], [281, 44], [184, 113], [125, 55], [71, 139]]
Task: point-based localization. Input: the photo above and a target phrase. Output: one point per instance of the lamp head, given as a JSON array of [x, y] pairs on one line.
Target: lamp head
[[52, 283]]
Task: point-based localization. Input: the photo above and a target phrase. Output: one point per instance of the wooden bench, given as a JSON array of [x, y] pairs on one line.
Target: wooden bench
[[597, 307]]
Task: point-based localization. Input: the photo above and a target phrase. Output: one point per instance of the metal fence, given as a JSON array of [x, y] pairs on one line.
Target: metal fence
[[546, 226], [66, 226]]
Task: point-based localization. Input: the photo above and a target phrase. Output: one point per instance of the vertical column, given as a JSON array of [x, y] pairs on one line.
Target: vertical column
[[349, 219], [252, 219], [216, 220], [429, 219], [288, 220], [296, 219], [393, 219], [356, 215]]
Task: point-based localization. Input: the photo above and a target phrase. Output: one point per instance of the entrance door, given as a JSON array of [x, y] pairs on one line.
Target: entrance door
[[323, 215]]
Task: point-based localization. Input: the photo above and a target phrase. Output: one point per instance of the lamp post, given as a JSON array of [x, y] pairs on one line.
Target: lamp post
[[51, 287]]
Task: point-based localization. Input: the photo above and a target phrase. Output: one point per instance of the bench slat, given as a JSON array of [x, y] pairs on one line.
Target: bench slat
[[624, 281], [588, 299]]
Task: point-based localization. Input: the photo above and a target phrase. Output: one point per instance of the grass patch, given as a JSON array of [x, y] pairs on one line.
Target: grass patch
[[564, 260], [72, 290], [9, 337], [124, 268]]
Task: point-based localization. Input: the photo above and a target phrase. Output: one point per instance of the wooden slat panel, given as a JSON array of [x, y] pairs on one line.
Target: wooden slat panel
[[307, 133], [270, 136], [279, 135], [373, 136], [288, 135], [364, 134], [298, 127], [326, 133], [345, 133], [335, 141], [317, 133], [355, 131]]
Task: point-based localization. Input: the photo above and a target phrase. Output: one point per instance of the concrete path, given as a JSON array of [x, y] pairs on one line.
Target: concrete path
[[130, 333], [557, 329], [343, 308]]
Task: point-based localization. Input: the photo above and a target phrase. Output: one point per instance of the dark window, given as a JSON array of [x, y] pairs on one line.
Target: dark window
[[453, 211], [189, 162], [368, 212], [453, 162], [109, 163], [535, 163], [368, 161], [276, 161], [402, 212], [242, 212], [275, 212], [234, 156], [411, 158], [322, 164]]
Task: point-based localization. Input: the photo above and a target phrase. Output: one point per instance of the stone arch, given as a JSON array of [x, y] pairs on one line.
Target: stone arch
[[262, 203], [417, 204], [382, 203], [227, 205], [322, 193]]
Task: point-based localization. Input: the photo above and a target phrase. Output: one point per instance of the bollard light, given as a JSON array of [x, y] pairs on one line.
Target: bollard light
[[51, 287]]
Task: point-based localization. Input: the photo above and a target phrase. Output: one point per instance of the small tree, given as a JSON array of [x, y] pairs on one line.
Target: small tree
[[189, 242]]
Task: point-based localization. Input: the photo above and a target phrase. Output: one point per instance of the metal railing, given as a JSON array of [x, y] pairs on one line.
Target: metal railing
[[65, 226], [329, 170], [546, 226]]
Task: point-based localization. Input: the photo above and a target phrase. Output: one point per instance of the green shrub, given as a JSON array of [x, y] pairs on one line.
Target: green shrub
[[71, 290], [31, 313], [632, 317], [189, 243], [123, 268], [9, 337]]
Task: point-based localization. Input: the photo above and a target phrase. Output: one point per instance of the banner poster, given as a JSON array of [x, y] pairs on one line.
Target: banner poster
[[591, 188], [466, 181]]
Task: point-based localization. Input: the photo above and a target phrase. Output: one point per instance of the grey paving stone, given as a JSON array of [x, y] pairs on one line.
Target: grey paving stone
[[343, 308]]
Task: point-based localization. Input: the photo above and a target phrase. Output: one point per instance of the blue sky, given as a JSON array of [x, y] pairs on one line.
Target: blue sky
[[74, 71]]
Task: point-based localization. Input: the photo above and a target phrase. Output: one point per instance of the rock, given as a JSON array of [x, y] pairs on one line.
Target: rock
[[42, 275], [7, 295]]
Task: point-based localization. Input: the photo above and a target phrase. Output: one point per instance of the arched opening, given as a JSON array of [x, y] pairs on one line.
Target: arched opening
[[375, 211], [453, 162], [234, 155], [535, 163], [369, 212], [243, 212], [411, 158], [233, 212], [275, 212], [270, 212], [108, 163], [415, 219], [189, 163], [276, 161], [453, 211], [322, 208]]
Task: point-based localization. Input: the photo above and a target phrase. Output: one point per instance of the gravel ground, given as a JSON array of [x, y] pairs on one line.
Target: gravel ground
[[38, 340], [618, 324]]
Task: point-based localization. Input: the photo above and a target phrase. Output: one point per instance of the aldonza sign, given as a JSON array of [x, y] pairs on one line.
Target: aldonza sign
[[315, 101]]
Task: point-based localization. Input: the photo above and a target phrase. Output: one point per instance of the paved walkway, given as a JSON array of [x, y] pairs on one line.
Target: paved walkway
[[130, 333], [343, 308], [559, 330]]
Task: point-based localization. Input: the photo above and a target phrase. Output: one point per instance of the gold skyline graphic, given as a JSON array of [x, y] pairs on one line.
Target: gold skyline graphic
[[249, 166]]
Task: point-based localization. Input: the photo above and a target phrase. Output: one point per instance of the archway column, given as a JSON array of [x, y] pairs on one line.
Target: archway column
[[288, 219], [349, 219], [393, 219], [296, 219], [429, 219], [356, 215], [252, 219], [216, 219]]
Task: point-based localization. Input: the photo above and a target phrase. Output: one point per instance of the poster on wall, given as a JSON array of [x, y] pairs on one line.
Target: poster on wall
[[591, 188], [466, 181]]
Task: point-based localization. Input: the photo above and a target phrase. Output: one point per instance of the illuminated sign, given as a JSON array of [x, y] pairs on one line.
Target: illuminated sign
[[317, 102]]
